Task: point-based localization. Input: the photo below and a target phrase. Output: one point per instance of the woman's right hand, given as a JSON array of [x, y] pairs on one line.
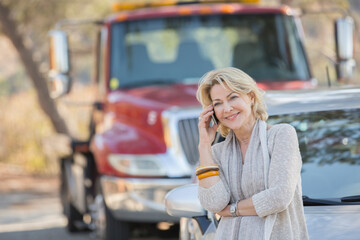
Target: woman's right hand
[[206, 132]]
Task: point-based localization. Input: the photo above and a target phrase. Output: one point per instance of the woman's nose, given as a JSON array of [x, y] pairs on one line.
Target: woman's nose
[[227, 107]]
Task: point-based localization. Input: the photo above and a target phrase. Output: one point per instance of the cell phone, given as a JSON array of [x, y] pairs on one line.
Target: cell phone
[[214, 119]]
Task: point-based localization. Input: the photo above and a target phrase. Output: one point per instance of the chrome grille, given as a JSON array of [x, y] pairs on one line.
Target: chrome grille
[[189, 138]]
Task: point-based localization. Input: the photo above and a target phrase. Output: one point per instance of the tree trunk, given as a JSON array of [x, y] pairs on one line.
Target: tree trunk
[[9, 28]]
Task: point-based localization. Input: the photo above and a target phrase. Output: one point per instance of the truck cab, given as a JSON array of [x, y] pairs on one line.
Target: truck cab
[[149, 58]]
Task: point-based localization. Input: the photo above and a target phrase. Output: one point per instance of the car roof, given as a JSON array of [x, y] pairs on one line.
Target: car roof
[[302, 101]]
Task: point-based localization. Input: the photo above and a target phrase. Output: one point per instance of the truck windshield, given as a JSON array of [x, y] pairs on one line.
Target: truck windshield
[[182, 49], [330, 148]]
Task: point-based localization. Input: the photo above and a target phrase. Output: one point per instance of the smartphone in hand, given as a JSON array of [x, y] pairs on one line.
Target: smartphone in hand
[[214, 119]]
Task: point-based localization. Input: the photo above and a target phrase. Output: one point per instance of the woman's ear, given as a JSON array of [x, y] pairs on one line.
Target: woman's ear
[[251, 96]]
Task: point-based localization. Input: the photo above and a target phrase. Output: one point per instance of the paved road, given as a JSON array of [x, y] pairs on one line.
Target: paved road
[[30, 210]]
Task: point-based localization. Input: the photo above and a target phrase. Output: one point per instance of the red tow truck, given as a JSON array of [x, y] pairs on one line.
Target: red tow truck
[[149, 59]]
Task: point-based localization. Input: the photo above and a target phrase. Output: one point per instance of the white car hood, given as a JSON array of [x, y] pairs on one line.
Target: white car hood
[[333, 222]]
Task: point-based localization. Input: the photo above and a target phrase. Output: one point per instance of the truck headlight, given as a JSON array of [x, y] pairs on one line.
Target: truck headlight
[[138, 165]]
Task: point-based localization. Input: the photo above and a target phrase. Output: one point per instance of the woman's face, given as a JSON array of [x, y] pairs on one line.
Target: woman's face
[[232, 109]]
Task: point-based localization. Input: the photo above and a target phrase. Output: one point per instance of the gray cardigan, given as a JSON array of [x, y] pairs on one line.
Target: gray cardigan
[[280, 197]]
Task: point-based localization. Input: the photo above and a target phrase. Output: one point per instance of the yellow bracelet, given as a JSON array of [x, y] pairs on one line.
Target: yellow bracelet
[[207, 174]]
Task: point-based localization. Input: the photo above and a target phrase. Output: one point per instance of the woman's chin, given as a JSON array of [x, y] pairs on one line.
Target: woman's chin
[[233, 126]]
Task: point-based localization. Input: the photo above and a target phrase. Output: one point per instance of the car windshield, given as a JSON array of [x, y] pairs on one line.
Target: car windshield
[[182, 49], [330, 148]]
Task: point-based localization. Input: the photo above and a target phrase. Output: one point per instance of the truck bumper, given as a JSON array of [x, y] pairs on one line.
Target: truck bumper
[[139, 199]]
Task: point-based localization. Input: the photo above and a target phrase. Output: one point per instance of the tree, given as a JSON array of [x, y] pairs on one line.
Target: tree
[[9, 28], [26, 25]]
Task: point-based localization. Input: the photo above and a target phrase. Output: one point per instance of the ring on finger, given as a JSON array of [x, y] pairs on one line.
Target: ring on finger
[[200, 118]]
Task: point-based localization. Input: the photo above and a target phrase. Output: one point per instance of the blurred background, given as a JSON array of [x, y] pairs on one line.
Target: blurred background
[[29, 144], [26, 132]]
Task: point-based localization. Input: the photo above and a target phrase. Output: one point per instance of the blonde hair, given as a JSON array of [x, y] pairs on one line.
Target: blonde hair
[[237, 81]]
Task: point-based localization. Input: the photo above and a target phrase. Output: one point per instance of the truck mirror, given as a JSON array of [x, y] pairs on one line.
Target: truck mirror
[[59, 84], [59, 79], [344, 38], [345, 70], [59, 52]]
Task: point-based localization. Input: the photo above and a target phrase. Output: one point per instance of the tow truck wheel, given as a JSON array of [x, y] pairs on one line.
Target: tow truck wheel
[[74, 217], [106, 225], [115, 229], [74, 220]]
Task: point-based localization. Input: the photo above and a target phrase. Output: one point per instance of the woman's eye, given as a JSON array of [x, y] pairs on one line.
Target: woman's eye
[[233, 97], [216, 104]]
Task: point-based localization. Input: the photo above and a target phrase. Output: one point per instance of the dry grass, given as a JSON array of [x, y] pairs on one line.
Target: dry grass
[[23, 127]]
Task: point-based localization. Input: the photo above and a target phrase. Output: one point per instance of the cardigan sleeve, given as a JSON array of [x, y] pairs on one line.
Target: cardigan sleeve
[[216, 197], [284, 173]]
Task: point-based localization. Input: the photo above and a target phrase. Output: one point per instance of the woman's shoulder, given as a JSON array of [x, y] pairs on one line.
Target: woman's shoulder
[[221, 145], [217, 147], [282, 129]]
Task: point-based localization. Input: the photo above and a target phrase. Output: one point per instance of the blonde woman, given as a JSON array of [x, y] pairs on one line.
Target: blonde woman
[[252, 179]]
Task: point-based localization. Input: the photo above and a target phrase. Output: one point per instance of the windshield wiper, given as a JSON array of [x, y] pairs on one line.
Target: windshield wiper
[[318, 202], [355, 198], [148, 82]]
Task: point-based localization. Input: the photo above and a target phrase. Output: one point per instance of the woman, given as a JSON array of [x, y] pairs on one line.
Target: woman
[[252, 179]]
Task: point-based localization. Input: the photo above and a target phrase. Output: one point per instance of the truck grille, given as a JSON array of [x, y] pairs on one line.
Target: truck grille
[[189, 138]]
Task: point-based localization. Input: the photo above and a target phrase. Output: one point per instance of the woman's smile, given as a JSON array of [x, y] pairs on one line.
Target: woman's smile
[[232, 117]]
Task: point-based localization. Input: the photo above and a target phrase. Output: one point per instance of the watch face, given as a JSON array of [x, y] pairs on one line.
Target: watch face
[[233, 209]]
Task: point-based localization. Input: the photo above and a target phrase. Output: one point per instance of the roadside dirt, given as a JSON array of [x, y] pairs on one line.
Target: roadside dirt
[[14, 179]]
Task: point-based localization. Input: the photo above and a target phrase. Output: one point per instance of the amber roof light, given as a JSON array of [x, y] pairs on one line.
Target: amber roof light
[[123, 6]]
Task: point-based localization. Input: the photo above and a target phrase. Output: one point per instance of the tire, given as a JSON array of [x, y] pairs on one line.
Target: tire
[[107, 227], [74, 217], [115, 229], [75, 223]]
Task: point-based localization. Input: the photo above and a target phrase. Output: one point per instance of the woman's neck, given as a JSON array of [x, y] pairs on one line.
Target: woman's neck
[[243, 134]]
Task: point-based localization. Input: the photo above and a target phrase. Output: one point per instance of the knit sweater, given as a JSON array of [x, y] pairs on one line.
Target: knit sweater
[[282, 197]]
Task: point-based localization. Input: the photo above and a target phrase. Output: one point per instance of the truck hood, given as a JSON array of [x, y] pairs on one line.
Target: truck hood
[[133, 118], [163, 97], [333, 222]]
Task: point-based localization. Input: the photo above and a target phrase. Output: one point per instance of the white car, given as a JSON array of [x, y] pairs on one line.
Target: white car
[[328, 127]]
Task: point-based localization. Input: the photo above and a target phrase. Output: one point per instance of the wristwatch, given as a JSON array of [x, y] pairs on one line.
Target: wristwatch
[[233, 208]]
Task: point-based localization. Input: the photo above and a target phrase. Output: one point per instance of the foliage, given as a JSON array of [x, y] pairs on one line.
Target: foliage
[[22, 130], [24, 127]]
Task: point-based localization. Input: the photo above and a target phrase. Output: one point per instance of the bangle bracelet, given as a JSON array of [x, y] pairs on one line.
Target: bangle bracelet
[[211, 165], [198, 172], [206, 166], [202, 169], [208, 174]]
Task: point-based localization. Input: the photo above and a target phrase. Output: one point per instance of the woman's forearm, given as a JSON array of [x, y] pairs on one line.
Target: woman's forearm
[[207, 159], [244, 208]]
